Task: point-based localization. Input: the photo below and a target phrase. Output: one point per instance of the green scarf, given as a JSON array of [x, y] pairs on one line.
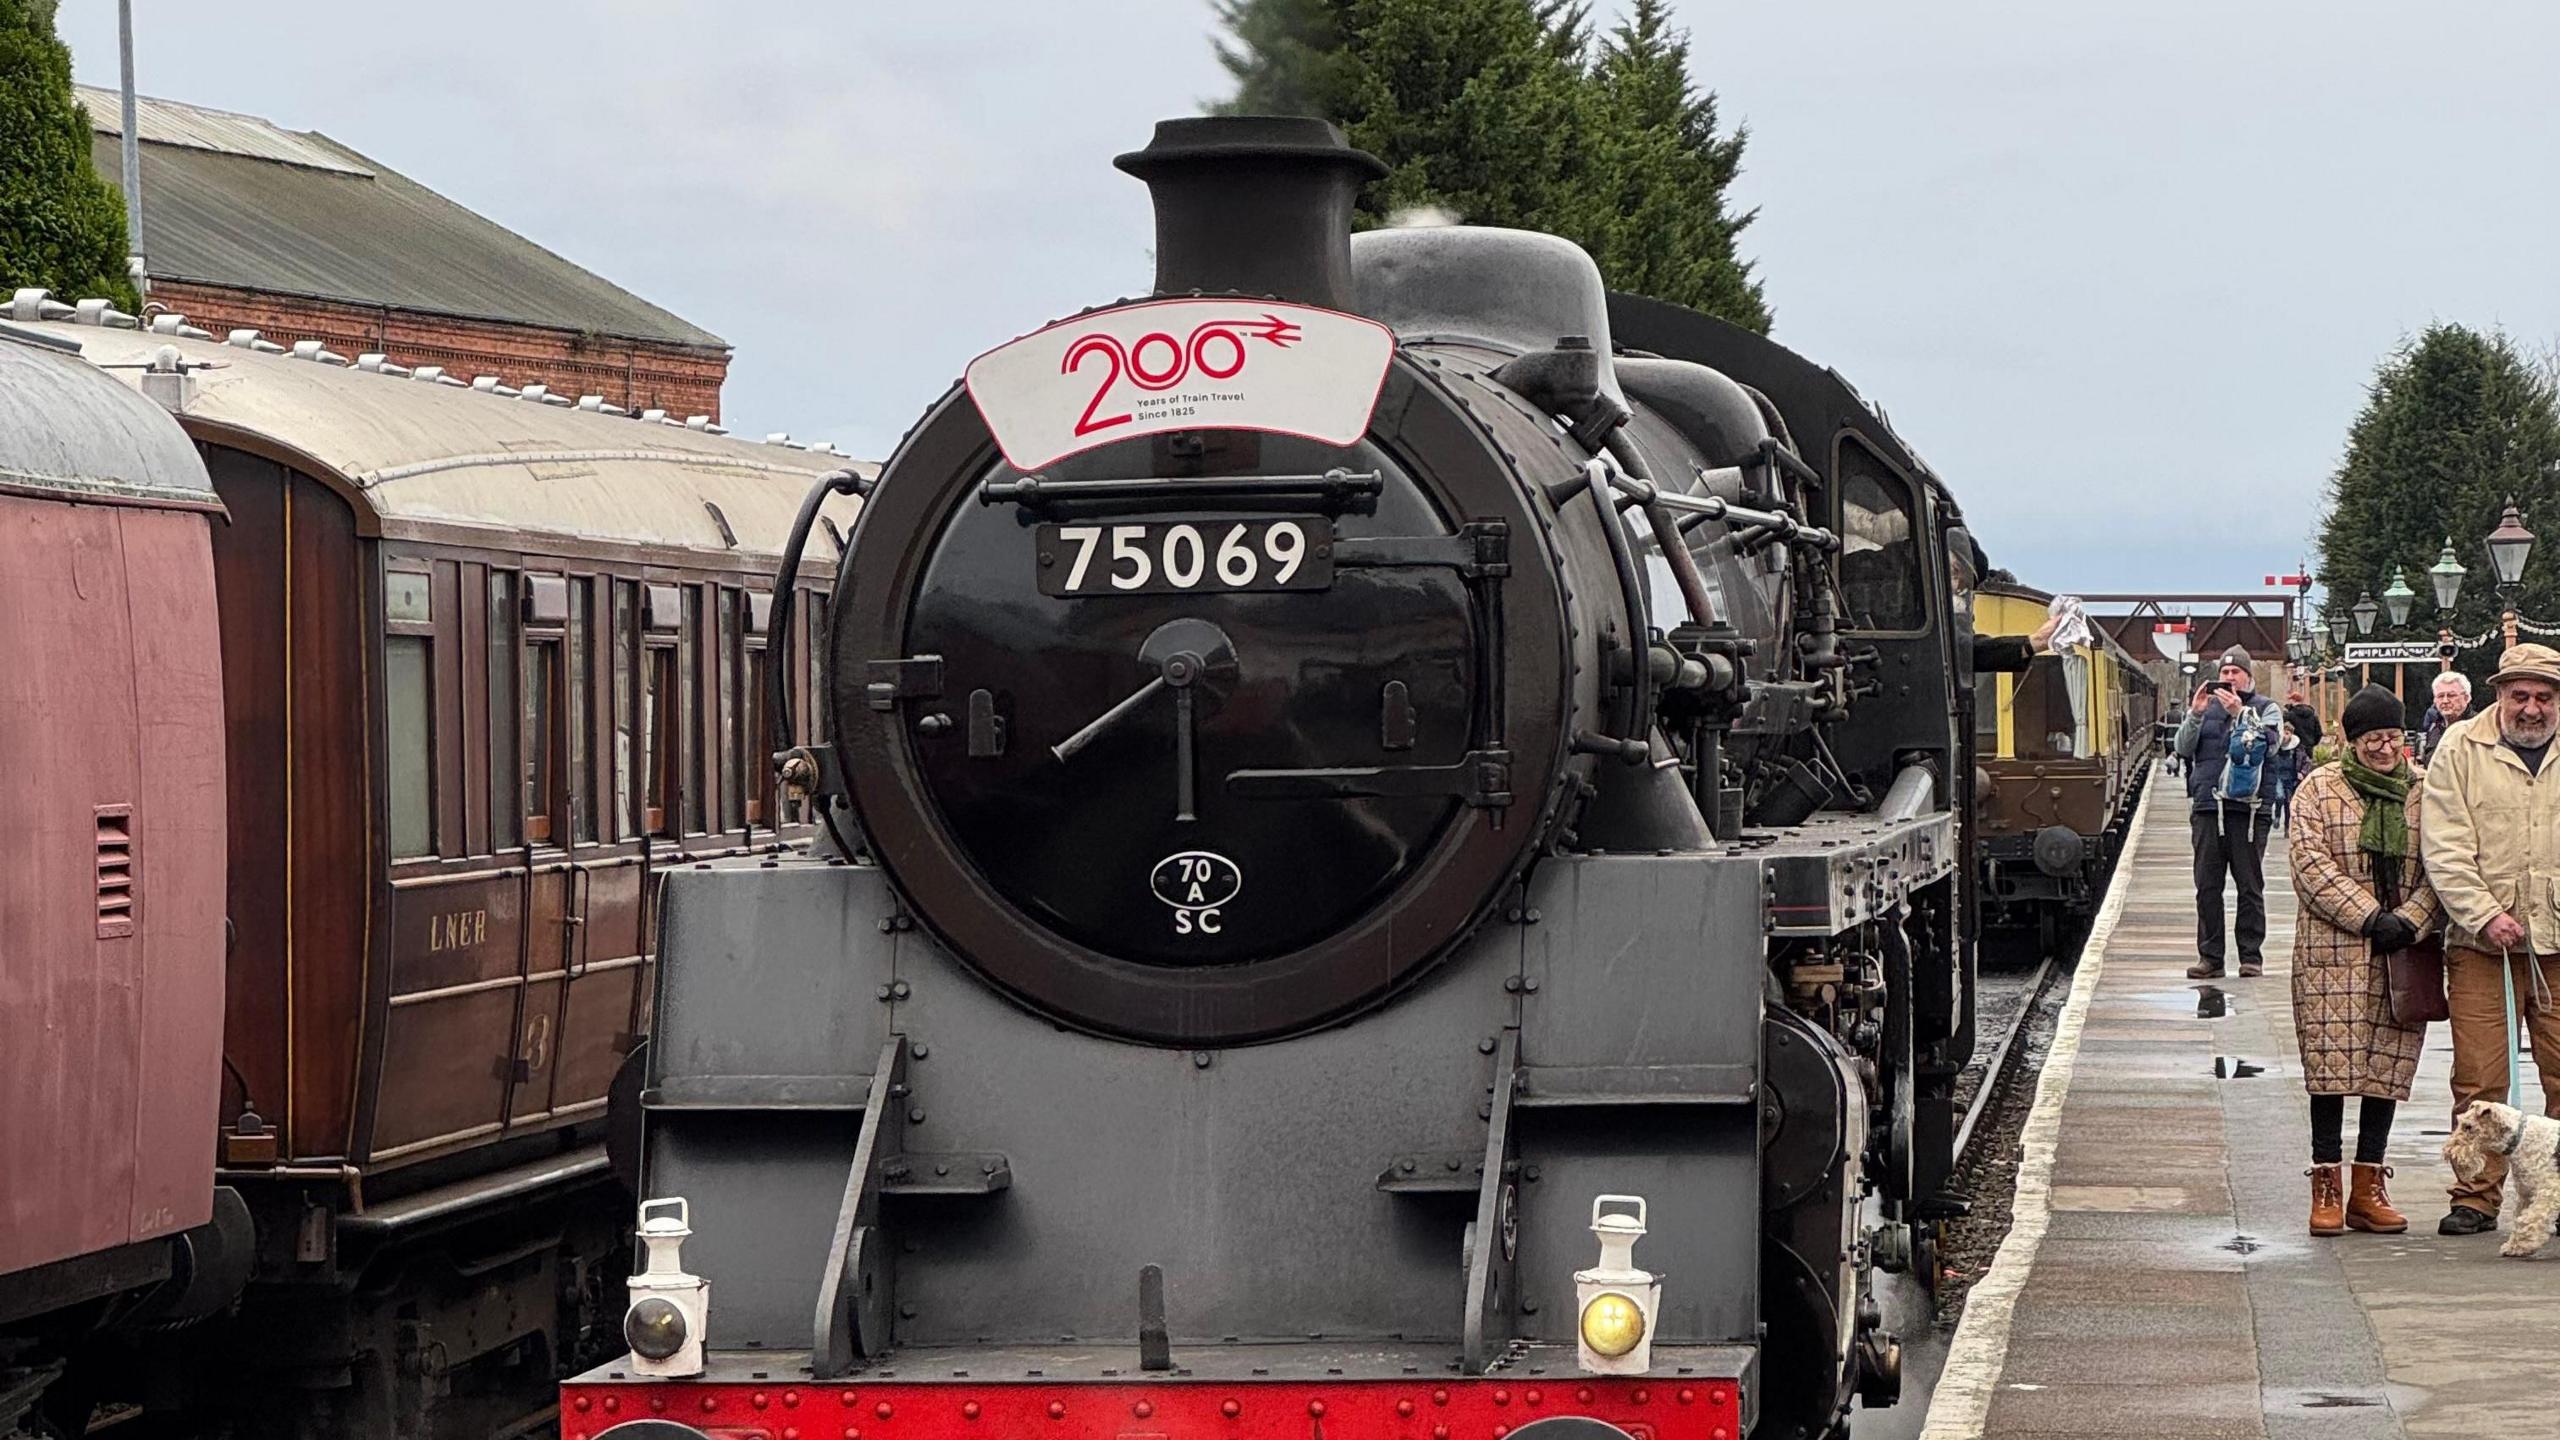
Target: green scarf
[[2386, 794]]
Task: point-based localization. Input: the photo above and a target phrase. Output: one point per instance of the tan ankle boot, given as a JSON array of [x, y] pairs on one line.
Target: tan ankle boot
[[2328, 1200], [2369, 1204]]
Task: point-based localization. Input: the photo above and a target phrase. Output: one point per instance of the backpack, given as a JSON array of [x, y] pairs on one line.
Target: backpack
[[2246, 756], [2251, 762]]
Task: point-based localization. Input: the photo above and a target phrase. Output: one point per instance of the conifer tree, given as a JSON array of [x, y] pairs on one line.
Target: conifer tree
[[1507, 112], [61, 225], [2455, 424]]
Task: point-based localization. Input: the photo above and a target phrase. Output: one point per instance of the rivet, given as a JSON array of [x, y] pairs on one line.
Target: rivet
[[846, 1398], [1500, 1430], [757, 1400], [583, 1404], [916, 1116], [1687, 1395], [1583, 1394], [1718, 1433], [1531, 1396], [882, 1410], [1142, 1409], [1501, 1397], [1230, 1409], [1404, 1407], [1057, 1409], [969, 1411], [1439, 1432], [1200, 1059], [1641, 1395], [657, 1404], [852, 1433], [612, 1405], [710, 1403], [791, 1399], [1716, 1396], [1439, 1397], [1316, 1408], [790, 1432]]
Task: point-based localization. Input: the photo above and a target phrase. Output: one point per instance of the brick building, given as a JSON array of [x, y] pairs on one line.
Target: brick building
[[247, 225]]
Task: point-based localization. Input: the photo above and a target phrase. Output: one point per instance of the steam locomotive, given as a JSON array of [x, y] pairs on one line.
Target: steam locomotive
[[1398, 831]]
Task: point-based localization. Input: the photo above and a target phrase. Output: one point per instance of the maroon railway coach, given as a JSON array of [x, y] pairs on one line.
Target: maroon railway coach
[[491, 661], [111, 872]]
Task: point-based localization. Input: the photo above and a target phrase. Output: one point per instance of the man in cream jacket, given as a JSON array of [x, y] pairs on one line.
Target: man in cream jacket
[[2491, 840]]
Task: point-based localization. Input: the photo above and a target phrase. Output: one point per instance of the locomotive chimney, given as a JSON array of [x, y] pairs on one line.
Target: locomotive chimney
[[1257, 203]]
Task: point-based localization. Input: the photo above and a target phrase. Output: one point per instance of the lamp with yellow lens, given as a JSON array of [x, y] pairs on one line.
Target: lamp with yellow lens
[[1618, 1301], [1612, 1324]]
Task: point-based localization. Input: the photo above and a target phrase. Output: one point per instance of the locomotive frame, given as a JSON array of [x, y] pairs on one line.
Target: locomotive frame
[[963, 1174]]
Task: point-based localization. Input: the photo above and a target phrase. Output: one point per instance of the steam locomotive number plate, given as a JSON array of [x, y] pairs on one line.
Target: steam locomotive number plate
[[1175, 557]]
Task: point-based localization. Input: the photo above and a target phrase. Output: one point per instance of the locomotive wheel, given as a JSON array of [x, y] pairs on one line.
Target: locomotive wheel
[[1805, 1386]]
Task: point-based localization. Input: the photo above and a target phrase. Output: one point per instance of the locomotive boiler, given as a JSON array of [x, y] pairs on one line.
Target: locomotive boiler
[[1396, 868]]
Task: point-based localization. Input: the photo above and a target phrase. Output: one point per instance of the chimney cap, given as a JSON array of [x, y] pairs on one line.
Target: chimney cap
[[1200, 139]]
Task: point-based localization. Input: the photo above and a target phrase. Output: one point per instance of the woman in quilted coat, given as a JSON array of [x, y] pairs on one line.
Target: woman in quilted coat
[[2363, 894]]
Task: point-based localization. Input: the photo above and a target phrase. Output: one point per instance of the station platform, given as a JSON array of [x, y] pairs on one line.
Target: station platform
[[2159, 1278]]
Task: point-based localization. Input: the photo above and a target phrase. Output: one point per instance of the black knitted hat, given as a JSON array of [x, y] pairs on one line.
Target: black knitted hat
[[2373, 708]]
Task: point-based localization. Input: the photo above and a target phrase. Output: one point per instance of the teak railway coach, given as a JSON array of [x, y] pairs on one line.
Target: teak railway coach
[[1407, 821], [2064, 747], [489, 665]]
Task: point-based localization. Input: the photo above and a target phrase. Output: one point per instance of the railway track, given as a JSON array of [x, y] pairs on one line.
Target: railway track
[[1994, 1066]]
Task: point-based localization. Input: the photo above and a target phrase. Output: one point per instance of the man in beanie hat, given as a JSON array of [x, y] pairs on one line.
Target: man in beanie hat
[[2491, 839], [2230, 836]]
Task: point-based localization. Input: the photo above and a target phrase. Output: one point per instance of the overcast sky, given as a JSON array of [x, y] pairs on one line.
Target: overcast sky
[[2119, 271]]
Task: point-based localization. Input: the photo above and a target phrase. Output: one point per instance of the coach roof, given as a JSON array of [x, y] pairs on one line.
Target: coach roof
[[70, 432], [418, 458]]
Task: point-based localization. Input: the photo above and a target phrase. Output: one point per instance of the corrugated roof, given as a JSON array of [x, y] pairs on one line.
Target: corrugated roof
[[166, 122], [427, 456], [241, 202]]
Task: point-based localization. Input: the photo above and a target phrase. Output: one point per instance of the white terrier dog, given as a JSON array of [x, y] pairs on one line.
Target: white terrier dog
[[2531, 1146]]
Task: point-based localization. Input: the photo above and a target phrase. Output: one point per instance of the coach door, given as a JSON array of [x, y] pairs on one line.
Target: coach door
[[584, 894]]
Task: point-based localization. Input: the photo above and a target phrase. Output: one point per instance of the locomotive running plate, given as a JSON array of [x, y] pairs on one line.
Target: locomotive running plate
[[1181, 557]]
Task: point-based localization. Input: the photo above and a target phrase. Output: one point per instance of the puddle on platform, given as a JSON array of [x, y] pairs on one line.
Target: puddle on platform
[[2214, 1003], [2232, 1067]]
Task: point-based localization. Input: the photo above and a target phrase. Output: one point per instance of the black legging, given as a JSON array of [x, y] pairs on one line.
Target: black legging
[[2373, 1128]]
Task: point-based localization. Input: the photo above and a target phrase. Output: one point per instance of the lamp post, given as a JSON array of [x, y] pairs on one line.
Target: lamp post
[[2446, 576], [2509, 546], [2366, 612], [2338, 630]]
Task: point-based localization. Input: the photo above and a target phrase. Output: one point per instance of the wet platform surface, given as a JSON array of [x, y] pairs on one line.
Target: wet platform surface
[[2159, 1278]]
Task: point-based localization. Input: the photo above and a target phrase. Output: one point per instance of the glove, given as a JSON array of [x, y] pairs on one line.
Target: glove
[[2391, 932]]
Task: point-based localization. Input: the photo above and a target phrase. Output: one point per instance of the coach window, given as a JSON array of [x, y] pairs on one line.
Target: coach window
[[506, 737], [1880, 575], [409, 689], [689, 752], [662, 616], [623, 659], [581, 684], [546, 621], [733, 787], [757, 732]]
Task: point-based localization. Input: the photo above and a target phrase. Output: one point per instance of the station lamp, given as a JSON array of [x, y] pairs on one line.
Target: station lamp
[[2509, 546], [2338, 628], [2366, 612], [2446, 575], [2398, 597]]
